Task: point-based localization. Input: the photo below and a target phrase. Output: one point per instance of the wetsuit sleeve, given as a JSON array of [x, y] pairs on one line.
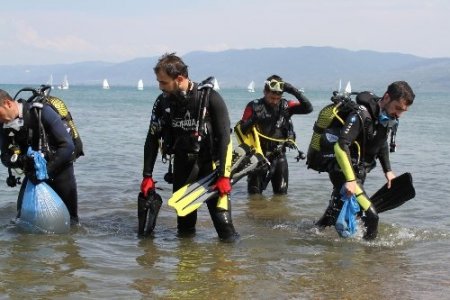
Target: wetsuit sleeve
[[220, 121], [247, 119], [383, 157], [152, 141], [2, 138], [5, 157], [349, 133], [59, 138], [301, 107]]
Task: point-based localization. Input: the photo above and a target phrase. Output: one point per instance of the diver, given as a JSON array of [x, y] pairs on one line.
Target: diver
[[24, 124], [190, 120], [362, 139], [271, 115]]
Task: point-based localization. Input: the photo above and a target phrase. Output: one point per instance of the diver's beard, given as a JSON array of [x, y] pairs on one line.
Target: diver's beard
[[177, 95]]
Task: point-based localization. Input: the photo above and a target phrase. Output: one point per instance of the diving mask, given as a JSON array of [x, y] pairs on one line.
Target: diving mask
[[386, 120], [275, 85]]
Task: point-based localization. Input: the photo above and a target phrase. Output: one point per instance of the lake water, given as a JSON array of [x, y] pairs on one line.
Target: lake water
[[280, 254]]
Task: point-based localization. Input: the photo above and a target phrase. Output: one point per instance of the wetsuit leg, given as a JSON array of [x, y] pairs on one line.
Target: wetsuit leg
[[182, 167], [255, 182], [280, 177], [334, 207], [65, 185], [371, 222], [20, 197], [222, 221]]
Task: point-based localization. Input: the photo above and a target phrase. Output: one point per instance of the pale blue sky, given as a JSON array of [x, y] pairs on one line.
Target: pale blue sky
[[50, 31]]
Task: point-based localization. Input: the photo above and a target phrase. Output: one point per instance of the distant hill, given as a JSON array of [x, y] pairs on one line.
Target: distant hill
[[312, 68]]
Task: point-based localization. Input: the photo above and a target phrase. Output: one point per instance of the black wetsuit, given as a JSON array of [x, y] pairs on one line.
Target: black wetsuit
[[173, 122], [372, 137], [274, 122], [59, 161]]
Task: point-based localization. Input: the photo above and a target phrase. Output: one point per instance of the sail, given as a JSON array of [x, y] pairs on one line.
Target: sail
[[251, 87], [348, 88], [140, 85], [105, 84], [50, 81], [216, 85], [65, 84]]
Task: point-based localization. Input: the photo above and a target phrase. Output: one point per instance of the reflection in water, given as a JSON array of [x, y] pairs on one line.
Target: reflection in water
[[274, 207], [351, 269], [45, 265], [186, 268]]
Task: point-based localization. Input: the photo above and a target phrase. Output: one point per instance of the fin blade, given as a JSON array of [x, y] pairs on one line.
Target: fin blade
[[188, 189], [193, 202], [401, 191], [239, 154]]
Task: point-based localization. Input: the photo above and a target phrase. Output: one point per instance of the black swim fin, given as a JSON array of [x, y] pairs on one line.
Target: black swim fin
[[401, 191], [148, 209]]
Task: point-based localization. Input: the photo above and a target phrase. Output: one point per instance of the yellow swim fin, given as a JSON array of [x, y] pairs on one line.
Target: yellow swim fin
[[191, 196]]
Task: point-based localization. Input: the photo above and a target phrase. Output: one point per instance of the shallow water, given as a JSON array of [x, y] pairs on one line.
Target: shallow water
[[280, 254]]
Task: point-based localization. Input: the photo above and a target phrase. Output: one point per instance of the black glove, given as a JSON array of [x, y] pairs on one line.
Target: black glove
[[290, 145], [32, 177], [29, 170], [289, 88], [28, 164]]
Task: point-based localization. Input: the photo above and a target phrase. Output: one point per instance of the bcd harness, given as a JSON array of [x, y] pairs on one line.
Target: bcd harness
[[327, 128], [196, 136], [36, 101], [252, 139]]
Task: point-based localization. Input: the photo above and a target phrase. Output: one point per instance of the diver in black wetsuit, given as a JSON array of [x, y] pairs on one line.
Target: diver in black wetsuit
[[369, 127], [20, 129], [272, 117], [176, 114]]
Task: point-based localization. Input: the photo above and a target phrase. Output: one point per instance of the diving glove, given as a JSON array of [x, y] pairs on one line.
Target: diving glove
[[223, 185], [147, 185]]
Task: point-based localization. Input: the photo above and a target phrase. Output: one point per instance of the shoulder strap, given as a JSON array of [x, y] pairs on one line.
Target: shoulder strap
[[36, 108], [363, 115], [203, 92]]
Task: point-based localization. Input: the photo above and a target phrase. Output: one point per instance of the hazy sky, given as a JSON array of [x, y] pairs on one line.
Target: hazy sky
[[47, 31]]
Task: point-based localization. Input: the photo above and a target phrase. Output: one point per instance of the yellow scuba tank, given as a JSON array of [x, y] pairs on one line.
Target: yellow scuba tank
[[251, 139]]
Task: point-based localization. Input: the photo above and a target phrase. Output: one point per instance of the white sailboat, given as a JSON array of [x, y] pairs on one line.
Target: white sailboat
[[251, 87], [65, 84], [348, 88], [216, 84], [140, 85], [105, 84], [50, 81]]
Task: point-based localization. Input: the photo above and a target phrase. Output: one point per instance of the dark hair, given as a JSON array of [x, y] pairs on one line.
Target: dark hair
[[276, 77], [4, 96], [172, 65], [401, 90]]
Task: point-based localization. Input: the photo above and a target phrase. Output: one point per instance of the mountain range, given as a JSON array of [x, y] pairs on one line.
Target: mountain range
[[311, 68]]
